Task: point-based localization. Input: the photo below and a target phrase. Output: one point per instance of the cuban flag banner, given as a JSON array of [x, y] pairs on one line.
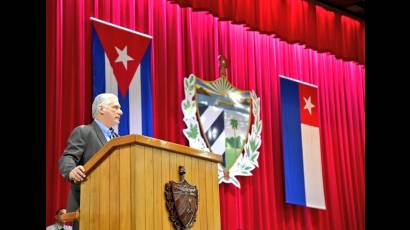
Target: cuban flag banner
[[122, 65], [301, 144]]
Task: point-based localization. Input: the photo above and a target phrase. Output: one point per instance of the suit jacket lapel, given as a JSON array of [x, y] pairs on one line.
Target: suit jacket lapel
[[99, 133]]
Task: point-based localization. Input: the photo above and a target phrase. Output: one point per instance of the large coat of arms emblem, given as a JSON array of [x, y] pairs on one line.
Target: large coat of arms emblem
[[218, 119]]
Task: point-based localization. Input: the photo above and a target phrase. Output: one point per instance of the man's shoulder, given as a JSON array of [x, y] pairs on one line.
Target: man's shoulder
[[84, 128], [82, 131], [51, 227]]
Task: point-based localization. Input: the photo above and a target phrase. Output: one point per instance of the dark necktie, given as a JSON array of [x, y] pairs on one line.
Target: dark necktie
[[113, 134]]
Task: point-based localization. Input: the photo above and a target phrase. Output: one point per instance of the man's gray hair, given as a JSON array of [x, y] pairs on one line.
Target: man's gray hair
[[101, 99]]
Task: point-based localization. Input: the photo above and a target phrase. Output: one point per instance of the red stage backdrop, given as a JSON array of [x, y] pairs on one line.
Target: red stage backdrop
[[187, 42], [295, 21]]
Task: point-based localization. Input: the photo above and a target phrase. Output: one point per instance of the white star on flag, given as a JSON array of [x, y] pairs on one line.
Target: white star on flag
[[123, 56], [308, 104]]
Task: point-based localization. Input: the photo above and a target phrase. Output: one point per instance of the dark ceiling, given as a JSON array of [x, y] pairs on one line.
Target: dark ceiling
[[353, 8]]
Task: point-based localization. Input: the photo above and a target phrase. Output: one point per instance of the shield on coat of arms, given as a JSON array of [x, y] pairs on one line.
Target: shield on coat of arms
[[224, 114]]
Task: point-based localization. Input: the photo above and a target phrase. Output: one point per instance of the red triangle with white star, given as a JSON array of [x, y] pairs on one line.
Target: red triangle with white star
[[124, 49]]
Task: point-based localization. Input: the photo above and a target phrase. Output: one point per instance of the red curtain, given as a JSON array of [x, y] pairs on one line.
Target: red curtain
[[294, 21], [187, 42]]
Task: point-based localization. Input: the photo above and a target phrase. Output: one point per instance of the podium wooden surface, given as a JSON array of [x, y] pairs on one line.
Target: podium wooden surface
[[126, 180]]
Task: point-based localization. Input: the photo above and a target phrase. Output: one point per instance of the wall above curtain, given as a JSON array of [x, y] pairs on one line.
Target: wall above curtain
[[297, 21]]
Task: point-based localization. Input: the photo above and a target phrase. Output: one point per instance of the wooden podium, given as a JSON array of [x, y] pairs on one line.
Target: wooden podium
[[125, 185]]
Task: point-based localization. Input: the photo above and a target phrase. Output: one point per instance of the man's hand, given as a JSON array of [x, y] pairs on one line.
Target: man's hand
[[77, 174]]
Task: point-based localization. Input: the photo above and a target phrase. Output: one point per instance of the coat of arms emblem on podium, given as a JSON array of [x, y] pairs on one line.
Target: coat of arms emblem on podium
[[182, 202], [218, 119]]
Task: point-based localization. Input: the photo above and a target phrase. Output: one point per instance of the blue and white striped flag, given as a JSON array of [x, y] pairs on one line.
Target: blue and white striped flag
[[301, 144], [122, 65]]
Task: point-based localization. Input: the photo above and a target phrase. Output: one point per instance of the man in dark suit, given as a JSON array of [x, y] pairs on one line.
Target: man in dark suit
[[85, 141]]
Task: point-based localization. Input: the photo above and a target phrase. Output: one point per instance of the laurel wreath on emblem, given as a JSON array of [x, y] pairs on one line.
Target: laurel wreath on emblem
[[246, 162]]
